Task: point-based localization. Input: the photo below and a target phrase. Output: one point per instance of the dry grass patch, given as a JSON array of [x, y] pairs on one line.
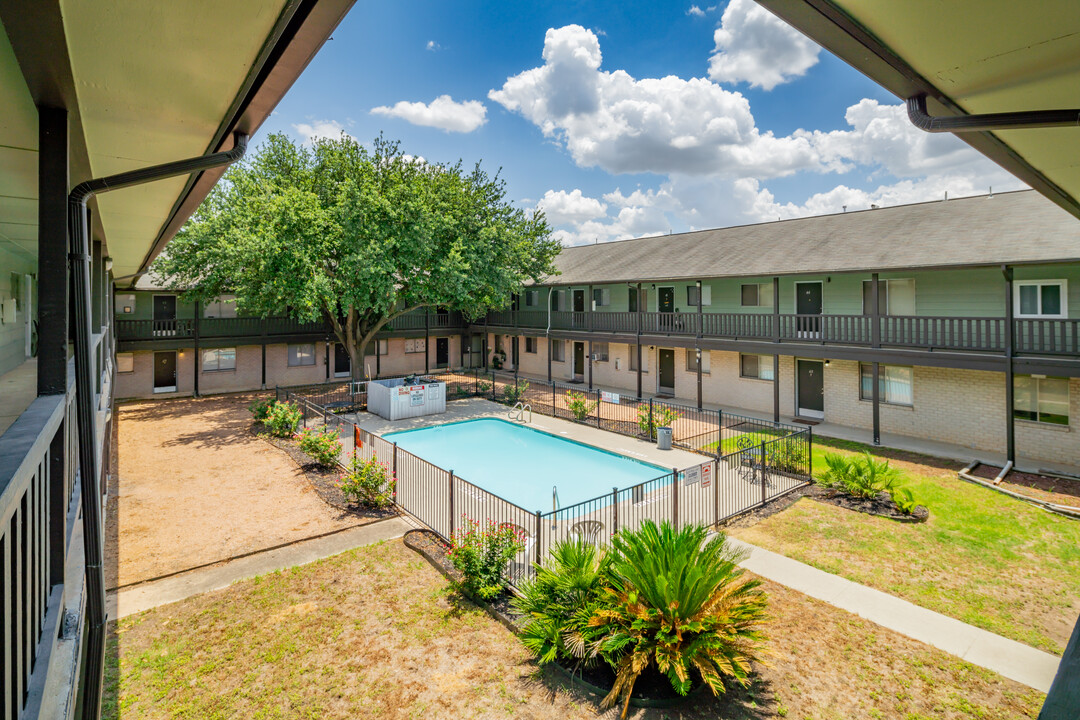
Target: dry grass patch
[[378, 633]]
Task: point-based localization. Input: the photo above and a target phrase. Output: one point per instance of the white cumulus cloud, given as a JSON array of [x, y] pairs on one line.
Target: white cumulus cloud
[[442, 112], [316, 129], [695, 11], [562, 207], [661, 125], [756, 47]]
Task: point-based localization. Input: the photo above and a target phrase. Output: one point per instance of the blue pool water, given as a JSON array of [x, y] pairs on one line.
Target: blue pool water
[[521, 464]]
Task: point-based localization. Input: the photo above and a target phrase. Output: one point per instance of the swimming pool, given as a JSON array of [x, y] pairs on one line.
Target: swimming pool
[[521, 464]]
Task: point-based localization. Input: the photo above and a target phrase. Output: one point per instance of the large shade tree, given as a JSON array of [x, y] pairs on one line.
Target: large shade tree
[[356, 237]]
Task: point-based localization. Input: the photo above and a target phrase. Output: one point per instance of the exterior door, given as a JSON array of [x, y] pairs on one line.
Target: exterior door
[[808, 308], [164, 315], [579, 361], [165, 371], [342, 362], [665, 303], [579, 309], [666, 361], [442, 352], [811, 388], [514, 351]]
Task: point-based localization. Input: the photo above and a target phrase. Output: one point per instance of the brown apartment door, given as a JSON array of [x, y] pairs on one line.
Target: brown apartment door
[[808, 308], [579, 361], [579, 308], [164, 315], [665, 359], [442, 352], [811, 388]]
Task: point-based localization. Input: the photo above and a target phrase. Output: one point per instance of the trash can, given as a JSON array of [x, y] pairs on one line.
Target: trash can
[[663, 438]]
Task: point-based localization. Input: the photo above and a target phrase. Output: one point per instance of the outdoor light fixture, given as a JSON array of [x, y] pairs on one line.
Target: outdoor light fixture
[[826, 363]]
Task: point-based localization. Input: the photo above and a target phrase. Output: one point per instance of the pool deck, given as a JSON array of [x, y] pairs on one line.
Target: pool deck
[[476, 408]]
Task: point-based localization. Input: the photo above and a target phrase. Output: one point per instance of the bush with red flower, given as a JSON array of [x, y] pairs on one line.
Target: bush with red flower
[[369, 483], [481, 555]]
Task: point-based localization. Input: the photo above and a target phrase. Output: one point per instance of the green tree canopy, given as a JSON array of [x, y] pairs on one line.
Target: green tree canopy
[[356, 237]]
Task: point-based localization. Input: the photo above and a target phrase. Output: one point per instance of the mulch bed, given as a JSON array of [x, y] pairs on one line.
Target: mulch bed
[[882, 506], [1063, 490], [324, 481]]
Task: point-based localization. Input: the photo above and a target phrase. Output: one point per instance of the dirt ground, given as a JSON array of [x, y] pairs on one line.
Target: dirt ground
[[1061, 491], [196, 486], [378, 633]]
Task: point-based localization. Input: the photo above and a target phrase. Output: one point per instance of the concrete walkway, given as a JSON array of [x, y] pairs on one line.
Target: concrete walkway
[[137, 598], [1009, 658]]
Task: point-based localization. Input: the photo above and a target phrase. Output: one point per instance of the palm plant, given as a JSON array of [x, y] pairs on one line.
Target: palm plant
[[555, 604], [677, 601], [861, 477]]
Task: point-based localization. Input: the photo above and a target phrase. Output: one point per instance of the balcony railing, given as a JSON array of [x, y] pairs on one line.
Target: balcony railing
[[978, 334]]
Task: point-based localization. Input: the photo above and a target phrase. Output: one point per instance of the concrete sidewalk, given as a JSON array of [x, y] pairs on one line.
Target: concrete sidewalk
[[1009, 658], [137, 598]]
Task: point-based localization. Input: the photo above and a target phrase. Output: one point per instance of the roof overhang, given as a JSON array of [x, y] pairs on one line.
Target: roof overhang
[[968, 57], [144, 83]]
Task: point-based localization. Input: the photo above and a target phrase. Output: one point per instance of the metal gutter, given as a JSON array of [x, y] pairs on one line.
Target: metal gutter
[[85, 387], [916, 108]]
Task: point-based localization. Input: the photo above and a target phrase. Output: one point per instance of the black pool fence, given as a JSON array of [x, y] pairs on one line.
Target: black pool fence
[[718, 489], [709, 432]]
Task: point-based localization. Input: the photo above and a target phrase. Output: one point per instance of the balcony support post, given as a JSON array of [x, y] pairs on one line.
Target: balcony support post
[[52, 312], [265, 329], [697, 345], [776, 309], [875, 312], [1010, 431], [195, 360], [776, 387], [638, 303], [427, 340], [876, 397], [590, 363]]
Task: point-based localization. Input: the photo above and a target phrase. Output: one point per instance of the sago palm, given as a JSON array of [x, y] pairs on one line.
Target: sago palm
[[566, 584], [677, 601]]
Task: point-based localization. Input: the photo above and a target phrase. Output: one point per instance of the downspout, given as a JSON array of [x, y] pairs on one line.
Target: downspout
[[79, 258], [920, 118]]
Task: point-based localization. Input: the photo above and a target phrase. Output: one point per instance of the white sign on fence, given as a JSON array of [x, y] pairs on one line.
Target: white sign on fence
[[609, 397], [692, 475]]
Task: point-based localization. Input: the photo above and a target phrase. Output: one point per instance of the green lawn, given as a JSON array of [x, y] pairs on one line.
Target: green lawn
[[983, 558]]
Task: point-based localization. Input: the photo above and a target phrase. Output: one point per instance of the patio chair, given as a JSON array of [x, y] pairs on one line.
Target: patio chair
[[588, 530]]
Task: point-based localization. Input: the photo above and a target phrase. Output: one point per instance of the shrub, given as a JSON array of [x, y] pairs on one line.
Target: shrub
[[904, 500], [679, 602], [788, 457], [322, 445], [661, 416], [516, 392], [282, 419], [482, 388], [369, 483], [481, 555], [859, 476], [259, 408], [557, 603], [579, 405]]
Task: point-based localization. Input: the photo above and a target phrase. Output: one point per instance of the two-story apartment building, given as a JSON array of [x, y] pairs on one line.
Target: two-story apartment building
[[953, 321]]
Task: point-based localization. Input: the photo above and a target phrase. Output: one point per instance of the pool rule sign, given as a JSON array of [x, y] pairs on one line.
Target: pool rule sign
[[698, 474]]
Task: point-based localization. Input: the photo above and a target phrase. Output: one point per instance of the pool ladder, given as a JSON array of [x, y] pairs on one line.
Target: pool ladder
[[518, 412], [554, 506]]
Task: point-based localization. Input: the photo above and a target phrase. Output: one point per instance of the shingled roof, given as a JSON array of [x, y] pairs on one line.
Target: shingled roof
[[1008, 228]]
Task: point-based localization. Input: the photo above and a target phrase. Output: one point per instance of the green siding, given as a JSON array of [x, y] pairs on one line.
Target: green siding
[[973, 292]]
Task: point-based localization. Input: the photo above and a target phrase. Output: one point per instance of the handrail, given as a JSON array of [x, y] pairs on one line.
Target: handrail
[[520, 408]]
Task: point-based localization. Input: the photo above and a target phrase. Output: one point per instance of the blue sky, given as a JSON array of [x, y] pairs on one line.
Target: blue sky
[[631, 118]]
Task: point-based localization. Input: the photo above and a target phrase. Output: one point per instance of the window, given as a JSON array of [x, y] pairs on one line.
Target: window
[[759, 367], [601, 297], [302, 354], [756, 295], [600, 351], [530, 345], [632, 300], [219, 359], [532, 298], [223, 307], [895, 297], [692, 295], [557, 351], [1041, 399], [1041, 299], [894, 384], [644, 358], [125, 304], [419, 345], [382, 347], [557, 302], [691, 361], [125, 362]]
